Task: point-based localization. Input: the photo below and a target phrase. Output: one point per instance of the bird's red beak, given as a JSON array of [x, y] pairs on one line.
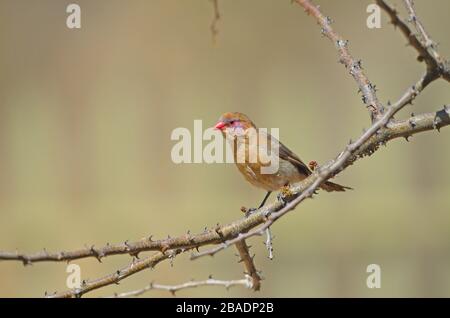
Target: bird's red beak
[[220, 125]]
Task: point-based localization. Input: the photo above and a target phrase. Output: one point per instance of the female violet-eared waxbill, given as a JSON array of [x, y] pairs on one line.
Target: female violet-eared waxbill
[[248, 144]]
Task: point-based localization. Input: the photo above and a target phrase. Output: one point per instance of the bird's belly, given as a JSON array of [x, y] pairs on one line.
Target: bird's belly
[[286, 174]]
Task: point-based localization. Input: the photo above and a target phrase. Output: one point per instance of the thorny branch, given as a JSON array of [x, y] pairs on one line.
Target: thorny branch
[[247, 259], [384, 128], [114, 278], [436, 65], [354, 66], [426, 40]]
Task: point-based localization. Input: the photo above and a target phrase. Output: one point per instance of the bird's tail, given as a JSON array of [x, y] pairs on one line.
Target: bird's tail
[[330, 187]]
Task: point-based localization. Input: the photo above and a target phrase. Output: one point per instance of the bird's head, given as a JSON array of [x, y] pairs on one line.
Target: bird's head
[[232, 124]]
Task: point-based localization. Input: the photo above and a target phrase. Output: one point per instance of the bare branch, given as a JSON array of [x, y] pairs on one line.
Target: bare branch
[[187, 241], [367, 89], [249, 264], [411, 37], [436, 65], [412, 92], [426, 40], [134, 267], [443, 66], [246, 282]]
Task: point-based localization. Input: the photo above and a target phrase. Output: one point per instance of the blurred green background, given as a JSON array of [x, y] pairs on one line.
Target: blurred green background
[[85, 123]]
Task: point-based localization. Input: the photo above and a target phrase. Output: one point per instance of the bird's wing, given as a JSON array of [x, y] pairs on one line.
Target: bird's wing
[[286, 154]]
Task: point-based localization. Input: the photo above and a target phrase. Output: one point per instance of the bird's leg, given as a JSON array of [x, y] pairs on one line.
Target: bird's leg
[[265, 199], [251, 210]]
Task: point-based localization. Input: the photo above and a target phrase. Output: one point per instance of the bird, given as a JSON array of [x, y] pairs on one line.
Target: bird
[[239, 130]]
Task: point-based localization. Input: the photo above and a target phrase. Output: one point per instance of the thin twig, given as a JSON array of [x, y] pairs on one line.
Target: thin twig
[[426, 40], [216, 18], [246, 282], [268, 243]]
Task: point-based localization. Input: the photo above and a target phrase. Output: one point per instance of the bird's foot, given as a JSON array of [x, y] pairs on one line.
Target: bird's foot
[[248, 211], [281, 199]]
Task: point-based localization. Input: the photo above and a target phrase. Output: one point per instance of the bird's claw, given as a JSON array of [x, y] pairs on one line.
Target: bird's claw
[[248, 211], [281, 199]]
